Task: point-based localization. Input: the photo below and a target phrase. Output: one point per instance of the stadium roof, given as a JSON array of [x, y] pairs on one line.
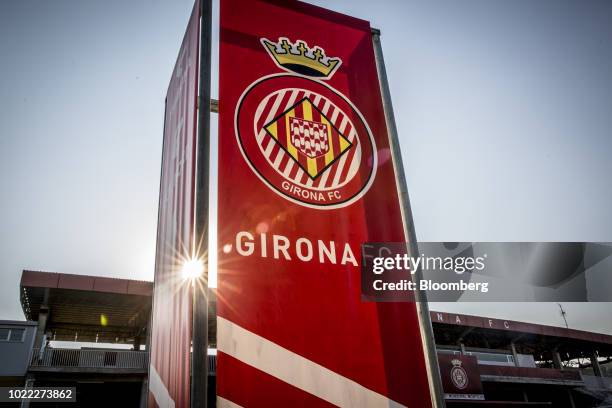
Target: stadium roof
[[93, 308], [87, 308]]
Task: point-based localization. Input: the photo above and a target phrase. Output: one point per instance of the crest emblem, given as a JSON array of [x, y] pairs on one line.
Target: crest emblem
[[309, 137], [300, 136], [458, 375]]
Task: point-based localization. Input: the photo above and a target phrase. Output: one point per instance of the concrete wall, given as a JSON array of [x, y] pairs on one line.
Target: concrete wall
[[15, 354]]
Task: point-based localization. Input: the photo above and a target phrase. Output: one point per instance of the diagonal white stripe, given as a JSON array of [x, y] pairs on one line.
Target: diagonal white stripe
[[288, 168], [298, 176], [262, 105], [223, 403], [272, 112], [309, 182], [326, 107], [159, 390], [271, 115], [278, 159], [334, 116], [269, 147], [294, 369]]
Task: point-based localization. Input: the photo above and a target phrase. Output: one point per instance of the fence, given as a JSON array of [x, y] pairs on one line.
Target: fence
[[85, 358]]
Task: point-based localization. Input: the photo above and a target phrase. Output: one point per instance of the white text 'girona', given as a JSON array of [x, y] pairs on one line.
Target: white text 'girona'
[[280, 247]]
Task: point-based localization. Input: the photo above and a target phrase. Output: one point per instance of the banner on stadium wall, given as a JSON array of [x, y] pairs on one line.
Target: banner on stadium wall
[[306, 177], [460, 377], [170, 338]]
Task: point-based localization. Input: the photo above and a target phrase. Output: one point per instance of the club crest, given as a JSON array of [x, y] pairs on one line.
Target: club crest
[[301, 137], [458, 375]]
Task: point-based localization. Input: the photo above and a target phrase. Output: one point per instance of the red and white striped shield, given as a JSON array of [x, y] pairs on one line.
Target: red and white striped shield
[[306, 143]]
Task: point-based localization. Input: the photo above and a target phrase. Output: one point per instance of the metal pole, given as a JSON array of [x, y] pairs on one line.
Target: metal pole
[[427, 336], [515, 354], [199, 355]]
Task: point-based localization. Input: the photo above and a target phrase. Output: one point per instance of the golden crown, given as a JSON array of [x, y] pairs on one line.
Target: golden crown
[[456, 362], [300, 58]]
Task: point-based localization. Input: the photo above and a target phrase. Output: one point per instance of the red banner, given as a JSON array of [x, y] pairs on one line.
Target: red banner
[[170, 339], [460, 377], [306, 177]]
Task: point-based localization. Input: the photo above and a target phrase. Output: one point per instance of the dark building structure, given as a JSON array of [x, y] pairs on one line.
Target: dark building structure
[[92, 310], [507, 363], [530, 364], [90, 313]]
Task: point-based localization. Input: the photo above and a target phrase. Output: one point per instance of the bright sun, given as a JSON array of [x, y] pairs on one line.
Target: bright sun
[[192, 269]]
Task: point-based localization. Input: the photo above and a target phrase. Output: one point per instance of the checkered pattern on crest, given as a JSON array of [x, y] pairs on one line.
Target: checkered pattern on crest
[[310, 138], [273, 129]]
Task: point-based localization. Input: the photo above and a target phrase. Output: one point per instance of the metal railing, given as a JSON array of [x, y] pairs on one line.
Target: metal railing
[[86, 358], [594, 382]]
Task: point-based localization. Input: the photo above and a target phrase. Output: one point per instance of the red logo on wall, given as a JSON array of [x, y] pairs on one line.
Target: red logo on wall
[[304, 139]]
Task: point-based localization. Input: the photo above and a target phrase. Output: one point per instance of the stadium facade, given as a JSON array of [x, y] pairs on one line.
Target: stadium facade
[[483, 361]]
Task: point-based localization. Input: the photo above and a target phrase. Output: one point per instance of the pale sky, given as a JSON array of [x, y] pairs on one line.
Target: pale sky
[[504, 110]]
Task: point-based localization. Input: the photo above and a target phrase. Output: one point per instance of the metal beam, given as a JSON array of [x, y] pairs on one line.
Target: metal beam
[[557, 362], [529, 380], [595, 364], [514, 354]]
